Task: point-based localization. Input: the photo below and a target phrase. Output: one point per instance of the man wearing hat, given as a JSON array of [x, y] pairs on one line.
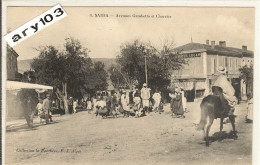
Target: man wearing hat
[[228, 90], [47, 107], [145, 95]]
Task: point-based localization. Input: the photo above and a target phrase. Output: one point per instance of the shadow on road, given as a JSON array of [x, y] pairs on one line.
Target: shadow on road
[[219, 136], [24, 127]]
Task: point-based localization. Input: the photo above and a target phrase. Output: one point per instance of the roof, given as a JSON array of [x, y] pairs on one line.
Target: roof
[[220, 50], [16, 85], [12, 51]]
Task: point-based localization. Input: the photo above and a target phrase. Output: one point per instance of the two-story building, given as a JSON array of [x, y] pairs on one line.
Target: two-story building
[[11, 64], [197, 76]]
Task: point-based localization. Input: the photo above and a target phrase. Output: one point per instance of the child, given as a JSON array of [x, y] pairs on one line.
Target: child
[[39, 108]]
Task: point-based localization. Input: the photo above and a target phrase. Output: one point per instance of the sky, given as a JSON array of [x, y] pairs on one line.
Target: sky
[[104, 35]]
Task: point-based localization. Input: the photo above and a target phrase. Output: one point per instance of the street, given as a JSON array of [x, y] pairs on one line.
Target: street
[[83, 138]]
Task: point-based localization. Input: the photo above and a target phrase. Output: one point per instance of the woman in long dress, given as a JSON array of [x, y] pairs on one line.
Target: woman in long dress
[[176, 106]]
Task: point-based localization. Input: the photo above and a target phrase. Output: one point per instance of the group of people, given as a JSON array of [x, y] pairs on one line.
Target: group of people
[[136, 102], [132, 103], [44, 109]]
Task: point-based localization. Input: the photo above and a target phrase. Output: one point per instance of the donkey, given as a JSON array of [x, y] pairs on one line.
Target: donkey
[[212, 108]]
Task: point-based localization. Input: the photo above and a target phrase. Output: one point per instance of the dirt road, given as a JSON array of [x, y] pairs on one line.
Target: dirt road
[[83, 138]]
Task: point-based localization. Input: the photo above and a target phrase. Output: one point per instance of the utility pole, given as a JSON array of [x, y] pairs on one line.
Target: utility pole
[[145, 68]]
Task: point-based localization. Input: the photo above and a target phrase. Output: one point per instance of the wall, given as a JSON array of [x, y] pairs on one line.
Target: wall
[[11, 64], [193, 69]]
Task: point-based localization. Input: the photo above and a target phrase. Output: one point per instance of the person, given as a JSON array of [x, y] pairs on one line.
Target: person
[[47, 107], [228, 99], [250, 106], [137, 105], [184, 100], [176, 104], [75, 104], [114, 102], [39, 108], [135, 90], [157, 100], [125, 104], [101, 107], [145, 95], [70, 104], [94, 101], [89, 104]]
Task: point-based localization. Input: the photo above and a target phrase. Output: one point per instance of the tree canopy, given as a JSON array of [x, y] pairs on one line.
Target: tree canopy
[[70, 71], [246, 73], [130, 67]]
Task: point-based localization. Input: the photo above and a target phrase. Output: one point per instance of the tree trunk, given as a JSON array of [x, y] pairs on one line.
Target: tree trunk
[[64, 98]]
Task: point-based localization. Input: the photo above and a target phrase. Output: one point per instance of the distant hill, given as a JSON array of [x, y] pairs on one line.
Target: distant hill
[[24, 65], [107, 61]]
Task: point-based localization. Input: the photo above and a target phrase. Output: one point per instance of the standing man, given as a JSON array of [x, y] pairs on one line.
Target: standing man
[[145, 95], [47, 108]]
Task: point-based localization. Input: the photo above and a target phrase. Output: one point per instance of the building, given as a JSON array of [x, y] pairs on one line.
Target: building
[[203, 60], [11, 64]]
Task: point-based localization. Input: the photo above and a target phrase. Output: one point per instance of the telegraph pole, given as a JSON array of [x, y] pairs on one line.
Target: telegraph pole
[[145, 68]]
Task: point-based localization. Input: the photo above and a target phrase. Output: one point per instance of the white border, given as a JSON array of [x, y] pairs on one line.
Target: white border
[[175, 3]]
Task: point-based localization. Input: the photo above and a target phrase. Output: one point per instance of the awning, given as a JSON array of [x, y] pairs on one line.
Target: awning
[[201, 85], [187, 85], [16, 85]]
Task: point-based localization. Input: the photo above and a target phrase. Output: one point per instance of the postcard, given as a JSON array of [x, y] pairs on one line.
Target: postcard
[[147, 82]]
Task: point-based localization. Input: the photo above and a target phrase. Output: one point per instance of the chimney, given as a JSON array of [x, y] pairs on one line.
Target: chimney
[[212, 44], [222, 43], [207, 42], [244, 48]]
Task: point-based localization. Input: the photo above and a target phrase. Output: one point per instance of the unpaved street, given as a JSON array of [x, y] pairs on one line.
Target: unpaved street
[[83, 138]]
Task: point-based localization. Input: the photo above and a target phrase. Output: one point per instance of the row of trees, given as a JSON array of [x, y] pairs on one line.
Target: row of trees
[[71, 72]]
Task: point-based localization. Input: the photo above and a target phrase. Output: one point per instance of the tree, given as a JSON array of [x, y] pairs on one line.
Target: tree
[[28, 76], [116, 76], [68, 71], [246, 73], [100, 76], [130, 68]]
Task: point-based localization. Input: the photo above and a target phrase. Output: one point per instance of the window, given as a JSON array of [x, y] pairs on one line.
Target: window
[[236, 63], [230, 65]]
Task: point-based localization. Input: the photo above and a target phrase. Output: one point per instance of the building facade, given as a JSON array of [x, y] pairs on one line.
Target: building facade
[[11, 64], [203, 60]]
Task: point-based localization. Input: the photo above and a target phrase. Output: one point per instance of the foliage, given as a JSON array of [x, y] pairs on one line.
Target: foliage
[[70, 71], [27, 96], [28, 76], [246, 73], [116, 77], [99, 76], [130, 68]]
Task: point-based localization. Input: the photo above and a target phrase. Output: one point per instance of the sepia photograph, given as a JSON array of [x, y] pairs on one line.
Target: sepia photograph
[[143, 84]]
